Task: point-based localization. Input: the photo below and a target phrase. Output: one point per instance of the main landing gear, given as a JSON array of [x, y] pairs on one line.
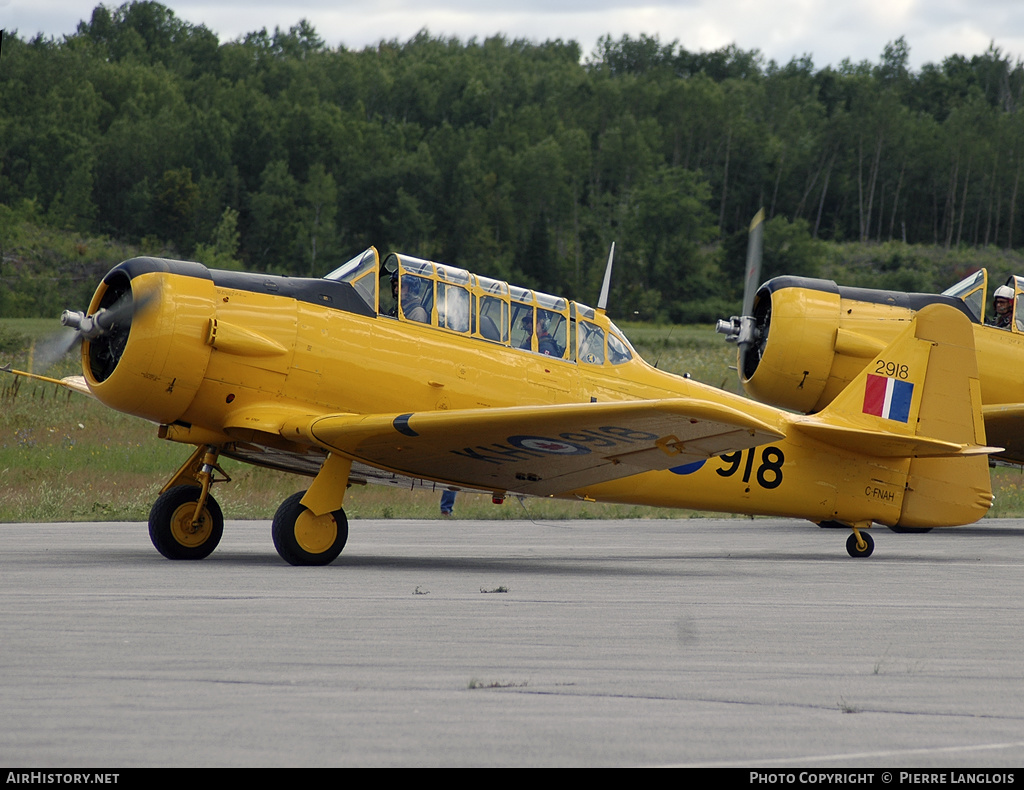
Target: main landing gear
[[186, 522], [181, 527], [304, 539], [310, 527]]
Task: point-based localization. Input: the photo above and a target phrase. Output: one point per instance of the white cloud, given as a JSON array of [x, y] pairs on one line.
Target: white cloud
[[828, 30]]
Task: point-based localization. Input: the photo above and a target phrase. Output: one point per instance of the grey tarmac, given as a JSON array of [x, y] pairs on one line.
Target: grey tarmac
[[705, 642]]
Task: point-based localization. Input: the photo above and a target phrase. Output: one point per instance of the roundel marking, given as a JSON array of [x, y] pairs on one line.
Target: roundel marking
[[688, 469], [545, 444]]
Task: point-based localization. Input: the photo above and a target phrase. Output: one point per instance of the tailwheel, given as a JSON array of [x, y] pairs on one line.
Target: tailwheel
[[857, 551], [302, 538], [176, 532]]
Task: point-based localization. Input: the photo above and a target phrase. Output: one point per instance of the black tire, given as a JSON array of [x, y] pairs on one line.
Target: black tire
[[304, 539], [170, 524], [854, 551]]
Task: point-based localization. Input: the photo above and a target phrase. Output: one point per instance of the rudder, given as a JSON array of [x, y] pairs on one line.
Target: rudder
[[954, 490]]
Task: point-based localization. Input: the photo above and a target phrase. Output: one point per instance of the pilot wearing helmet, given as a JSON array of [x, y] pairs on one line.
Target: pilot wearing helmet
[[412, 298], [1002, 306]]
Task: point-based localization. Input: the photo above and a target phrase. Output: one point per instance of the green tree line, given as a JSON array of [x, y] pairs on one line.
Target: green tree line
[[517, 159]]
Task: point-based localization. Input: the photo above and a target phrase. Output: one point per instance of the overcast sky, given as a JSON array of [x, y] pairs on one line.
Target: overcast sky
[[828, 30]]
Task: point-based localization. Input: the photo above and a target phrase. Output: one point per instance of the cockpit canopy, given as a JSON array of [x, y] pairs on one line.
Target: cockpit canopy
[[455, 300], [972, 290]]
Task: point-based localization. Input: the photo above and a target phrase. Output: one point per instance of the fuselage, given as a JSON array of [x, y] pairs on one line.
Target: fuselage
[[217, 357]]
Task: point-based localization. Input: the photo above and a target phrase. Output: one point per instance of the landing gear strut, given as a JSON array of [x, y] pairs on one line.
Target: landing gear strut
[[175, 529], [185, 522]]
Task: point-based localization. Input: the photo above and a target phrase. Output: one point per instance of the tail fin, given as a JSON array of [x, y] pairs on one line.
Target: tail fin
[[920, 398], [958, 489]]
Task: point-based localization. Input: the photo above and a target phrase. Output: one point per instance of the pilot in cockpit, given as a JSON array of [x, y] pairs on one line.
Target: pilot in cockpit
[[545, 343], [1002, 306], [411, 299]]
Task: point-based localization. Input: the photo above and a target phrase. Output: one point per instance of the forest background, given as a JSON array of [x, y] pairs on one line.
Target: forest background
[[516, 159]]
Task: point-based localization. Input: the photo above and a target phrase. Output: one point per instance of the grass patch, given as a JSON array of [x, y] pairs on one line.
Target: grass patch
[[1008, 487], [496, 684], [696, 351], [846, 707]]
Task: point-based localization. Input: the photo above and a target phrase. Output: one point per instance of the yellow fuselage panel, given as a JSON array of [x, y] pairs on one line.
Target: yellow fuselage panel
[[342, 362], [789, 478]]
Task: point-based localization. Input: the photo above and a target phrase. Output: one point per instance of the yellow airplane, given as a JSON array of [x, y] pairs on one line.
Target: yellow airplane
[[415, 373], [803, 340]]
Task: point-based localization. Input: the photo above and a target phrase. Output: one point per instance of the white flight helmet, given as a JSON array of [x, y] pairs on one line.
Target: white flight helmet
[[1003, 292]]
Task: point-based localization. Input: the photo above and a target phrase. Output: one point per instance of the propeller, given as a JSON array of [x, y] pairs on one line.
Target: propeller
[[104, 320], [742, 329], [107, 329], [602, 301], [50, 350]]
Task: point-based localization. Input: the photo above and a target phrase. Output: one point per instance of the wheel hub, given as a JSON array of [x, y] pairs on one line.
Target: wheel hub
[[187, 533], [315, 534]]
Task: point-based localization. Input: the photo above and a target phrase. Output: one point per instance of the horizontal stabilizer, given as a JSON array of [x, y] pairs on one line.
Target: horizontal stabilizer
[[888, 445]]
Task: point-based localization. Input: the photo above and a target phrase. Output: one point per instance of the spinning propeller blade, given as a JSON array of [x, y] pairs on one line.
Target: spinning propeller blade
[[741, 329], [107, 321]]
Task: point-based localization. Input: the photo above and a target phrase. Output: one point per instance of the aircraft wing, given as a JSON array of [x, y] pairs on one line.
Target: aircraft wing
[[73, 383], [77, 384], [538, 450], [1004, 426]]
